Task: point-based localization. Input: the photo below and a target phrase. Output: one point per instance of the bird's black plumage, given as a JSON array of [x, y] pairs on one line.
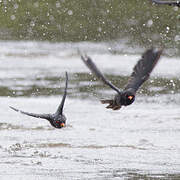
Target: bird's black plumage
[[140, 74], [170, 3], [58, 119]]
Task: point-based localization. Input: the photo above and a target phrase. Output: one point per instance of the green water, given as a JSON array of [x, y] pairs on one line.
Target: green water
[[139, 22], [89, 87]]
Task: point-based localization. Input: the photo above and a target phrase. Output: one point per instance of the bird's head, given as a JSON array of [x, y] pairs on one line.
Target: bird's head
[[59, 122], [127, 98]]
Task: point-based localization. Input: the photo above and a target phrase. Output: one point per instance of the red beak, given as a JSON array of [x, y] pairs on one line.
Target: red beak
[[62, 124], [130, 97]]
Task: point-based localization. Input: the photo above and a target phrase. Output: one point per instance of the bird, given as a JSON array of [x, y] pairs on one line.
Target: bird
[[140, 74], [170, 3], [58, 119]]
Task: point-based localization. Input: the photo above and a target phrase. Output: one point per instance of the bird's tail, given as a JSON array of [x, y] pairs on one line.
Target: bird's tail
[[112, 104]]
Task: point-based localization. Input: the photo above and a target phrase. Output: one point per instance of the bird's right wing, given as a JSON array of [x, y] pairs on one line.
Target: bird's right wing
[[170, 3], [143, 68], [43, 116], [93, 68]]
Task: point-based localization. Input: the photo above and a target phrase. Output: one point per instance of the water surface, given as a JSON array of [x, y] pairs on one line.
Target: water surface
[[139, 142]]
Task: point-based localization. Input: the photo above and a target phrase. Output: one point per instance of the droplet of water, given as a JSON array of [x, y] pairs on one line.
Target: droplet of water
[[70, 12], [99, 29], [58, 5], [150, 23], [32, 23], [13, 17], [167, 29], [16, 6], [36, 4], [177, 38]]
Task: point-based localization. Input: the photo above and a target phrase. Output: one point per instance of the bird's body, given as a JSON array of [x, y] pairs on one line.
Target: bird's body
[[58, 119], [170, 3], [140, 74]]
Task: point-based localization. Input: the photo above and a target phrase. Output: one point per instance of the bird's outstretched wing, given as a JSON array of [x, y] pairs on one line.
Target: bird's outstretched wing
[[60, 108], [43, 116], [93, 68], [143, 68], [170, 3]]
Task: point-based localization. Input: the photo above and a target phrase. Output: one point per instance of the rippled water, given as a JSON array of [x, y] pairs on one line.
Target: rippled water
[[137, 142]]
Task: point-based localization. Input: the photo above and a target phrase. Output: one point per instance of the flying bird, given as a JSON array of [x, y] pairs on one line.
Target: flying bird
[[58, 119], [140, 74], [170, 3]]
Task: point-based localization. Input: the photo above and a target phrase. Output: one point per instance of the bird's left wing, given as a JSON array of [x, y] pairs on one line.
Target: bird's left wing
[[93, 68], [43, 116]]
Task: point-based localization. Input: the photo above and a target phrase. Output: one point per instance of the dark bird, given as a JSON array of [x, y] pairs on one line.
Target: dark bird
[[140, 74], [170, 3], [58, 119]]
